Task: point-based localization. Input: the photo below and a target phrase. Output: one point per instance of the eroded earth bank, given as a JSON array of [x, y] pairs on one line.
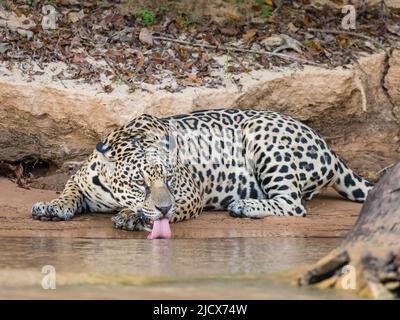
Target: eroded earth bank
[[357, 109]]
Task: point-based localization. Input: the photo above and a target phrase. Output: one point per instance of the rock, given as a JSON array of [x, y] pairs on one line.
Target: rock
[[289, 43], [145, 37], [348, 106], [392, 81], [26, 33], [272, 41], [283, 41]]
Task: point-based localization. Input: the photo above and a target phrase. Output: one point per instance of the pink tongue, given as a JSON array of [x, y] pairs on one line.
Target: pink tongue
[[161, 230]]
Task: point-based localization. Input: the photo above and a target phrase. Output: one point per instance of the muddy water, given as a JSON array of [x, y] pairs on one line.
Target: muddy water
[[213, 256], [181, 257], [200, 268]]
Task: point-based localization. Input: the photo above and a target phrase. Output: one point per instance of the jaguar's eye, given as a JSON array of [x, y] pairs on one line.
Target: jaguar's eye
[[140, 182]]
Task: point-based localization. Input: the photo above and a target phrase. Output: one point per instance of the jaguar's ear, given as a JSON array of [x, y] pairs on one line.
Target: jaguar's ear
[[104, 151], [102, 148]]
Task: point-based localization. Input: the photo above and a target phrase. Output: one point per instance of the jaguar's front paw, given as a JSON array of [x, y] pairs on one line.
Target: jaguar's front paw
[[242, 208], [46, 211], [131, 221]]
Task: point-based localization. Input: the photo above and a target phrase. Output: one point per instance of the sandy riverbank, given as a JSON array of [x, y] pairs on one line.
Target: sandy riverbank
[[328, 216]]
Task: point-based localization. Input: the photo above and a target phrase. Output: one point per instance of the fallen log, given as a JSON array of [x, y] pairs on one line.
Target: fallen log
[[368, 260]]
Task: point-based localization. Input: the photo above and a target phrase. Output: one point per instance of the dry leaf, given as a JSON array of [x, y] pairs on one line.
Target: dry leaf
[[233, 17], [264, 61], [79, 58], [292, 27], [316, 45], [194, 79], [183, 53], [74, 17], [140, 62], [341, 40], [180, 22], [306, 20], [249, 35], [108, 88], [229, 31]]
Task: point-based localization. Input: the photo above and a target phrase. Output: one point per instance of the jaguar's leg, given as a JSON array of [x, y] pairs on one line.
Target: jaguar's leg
[[283, 198], [62, 208], [278, 206]]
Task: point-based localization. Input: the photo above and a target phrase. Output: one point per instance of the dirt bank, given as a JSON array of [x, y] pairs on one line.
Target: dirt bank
[[355, 109], [329, 216]]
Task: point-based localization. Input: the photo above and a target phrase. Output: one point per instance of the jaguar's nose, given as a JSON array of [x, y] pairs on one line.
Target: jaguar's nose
[[164, 210]]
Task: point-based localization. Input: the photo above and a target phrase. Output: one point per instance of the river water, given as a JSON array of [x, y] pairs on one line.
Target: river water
[[235, 268]]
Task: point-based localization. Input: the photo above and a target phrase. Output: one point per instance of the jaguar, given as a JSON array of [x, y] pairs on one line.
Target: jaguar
[[153, 171]]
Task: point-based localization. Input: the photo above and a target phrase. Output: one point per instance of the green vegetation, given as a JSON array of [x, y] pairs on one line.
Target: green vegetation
[[162, 10], [190, 19], [148, 17], [266, 11], [5, 5]]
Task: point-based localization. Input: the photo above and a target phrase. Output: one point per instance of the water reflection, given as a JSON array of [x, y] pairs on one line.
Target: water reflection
[[179, 257]]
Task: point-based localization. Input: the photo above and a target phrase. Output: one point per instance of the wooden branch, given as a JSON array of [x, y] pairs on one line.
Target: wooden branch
[[386, 168], [235, 49]]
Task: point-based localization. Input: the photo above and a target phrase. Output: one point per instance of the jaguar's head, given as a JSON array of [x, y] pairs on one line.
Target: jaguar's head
[[136, 167]]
